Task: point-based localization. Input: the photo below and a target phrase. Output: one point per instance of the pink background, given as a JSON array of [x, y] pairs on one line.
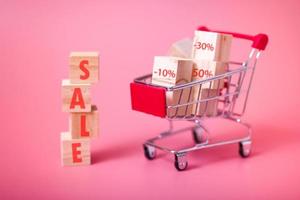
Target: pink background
[[36, 38]]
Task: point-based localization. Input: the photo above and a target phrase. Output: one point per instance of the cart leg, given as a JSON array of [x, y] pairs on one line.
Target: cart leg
[[149, 151], [180, 161], [171, 126], [198, 135], [245, 148]]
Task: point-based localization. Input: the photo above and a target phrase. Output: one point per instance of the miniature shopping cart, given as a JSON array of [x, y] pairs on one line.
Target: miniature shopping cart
[[150, 98]]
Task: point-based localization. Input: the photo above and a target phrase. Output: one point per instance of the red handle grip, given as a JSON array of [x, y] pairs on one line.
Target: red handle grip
[[259, 41]]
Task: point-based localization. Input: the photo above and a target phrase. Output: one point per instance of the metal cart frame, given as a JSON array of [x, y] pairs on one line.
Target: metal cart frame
[[151, 99]]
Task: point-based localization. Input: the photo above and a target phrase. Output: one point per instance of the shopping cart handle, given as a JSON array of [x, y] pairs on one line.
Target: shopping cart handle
[[260, 41]]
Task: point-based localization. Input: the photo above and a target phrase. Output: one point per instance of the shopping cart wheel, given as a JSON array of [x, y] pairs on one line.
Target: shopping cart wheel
[[180, 162], [149, 152], [198, 135], [245, 148]]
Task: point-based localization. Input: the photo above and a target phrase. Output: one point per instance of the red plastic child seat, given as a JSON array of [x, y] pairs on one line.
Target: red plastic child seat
[[148, 99]]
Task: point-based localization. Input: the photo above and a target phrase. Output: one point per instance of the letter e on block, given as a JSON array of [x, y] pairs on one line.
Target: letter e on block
[[74, 151], [84, 67]]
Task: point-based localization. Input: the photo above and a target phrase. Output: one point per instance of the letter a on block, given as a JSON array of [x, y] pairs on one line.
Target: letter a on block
[[85, 124], [74, 151], [84, 67], [75, 97]]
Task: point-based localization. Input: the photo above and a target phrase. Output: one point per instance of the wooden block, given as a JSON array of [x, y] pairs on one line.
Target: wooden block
[[84, 67], [171, 71], [181, 48], [74, 151], [203, 69], [211, 46], [84, 125], [179, 97], [209, 107], [75, 97]]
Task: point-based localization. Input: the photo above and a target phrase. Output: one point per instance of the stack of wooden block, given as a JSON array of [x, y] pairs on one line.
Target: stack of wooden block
[[83, 117], [210, 53], [191, 60]]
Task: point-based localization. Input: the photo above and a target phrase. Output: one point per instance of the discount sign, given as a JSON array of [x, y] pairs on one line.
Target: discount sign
[[211, 46], [168, 71], [201, 73], [204, 46], [203, 69]]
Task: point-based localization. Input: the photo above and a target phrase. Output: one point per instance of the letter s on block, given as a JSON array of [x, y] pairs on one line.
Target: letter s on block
[[83, 68]]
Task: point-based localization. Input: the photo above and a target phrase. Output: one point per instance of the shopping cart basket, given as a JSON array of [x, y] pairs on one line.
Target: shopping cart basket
[[150, 98]]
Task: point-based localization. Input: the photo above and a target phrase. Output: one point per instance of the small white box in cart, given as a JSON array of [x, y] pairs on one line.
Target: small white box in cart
[[211, 46], [204, 69], [182, 48], [170, 71]]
